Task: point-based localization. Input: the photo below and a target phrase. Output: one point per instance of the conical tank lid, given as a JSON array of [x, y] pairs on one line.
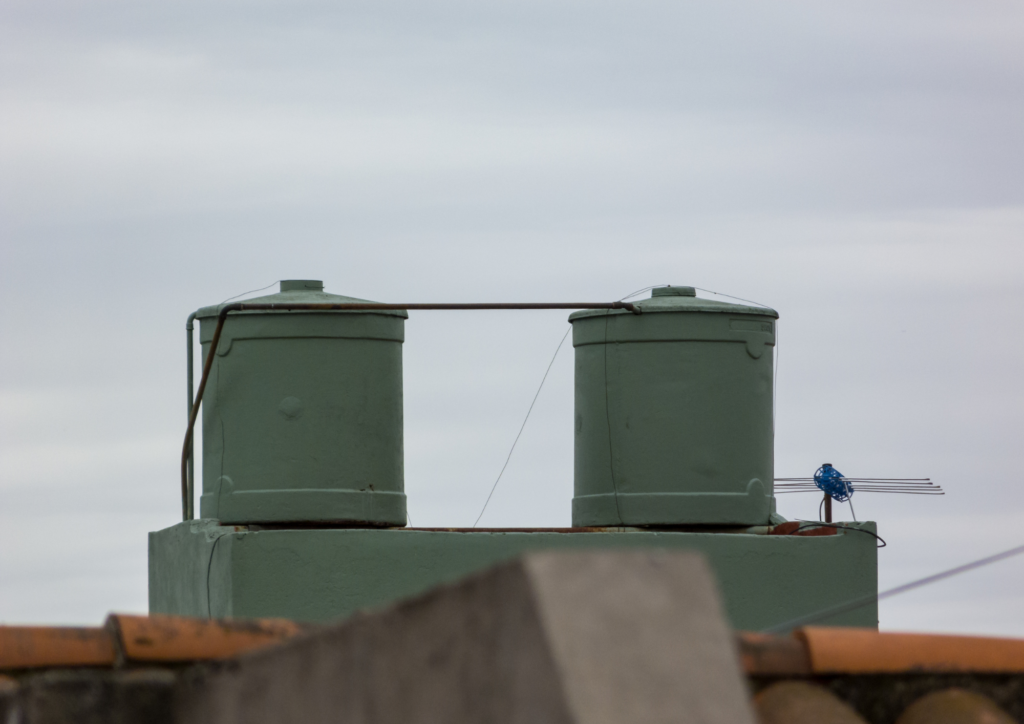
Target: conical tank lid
[[680, 299], [303, 291]]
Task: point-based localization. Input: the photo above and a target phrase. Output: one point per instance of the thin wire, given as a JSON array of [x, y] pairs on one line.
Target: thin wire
[[850, 501], [557, 349], [840, 526], [862, 480], [862, 490], [641, 291], [864, 483], [521, 427], [251, 291], [709, 291], [872, 598], [863, 486], [775, 381]]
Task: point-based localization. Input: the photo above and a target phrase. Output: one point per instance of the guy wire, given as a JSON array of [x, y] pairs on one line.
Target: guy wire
[[872, 598], [251, 291], [523, 426], [615, 490], [709, 291], [775, 377]]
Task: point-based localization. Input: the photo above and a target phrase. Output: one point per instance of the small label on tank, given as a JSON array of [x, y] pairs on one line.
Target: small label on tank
[[747, 325]]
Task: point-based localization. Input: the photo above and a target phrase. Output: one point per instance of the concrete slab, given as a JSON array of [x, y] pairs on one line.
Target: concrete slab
[[560, 638]]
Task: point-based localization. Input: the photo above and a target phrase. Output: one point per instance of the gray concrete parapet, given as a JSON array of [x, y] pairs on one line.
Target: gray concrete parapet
[[585, 638]]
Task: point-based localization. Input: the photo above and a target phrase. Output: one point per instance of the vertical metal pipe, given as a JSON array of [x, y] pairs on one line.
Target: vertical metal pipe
[[187, 444], [828, 508], [189, 512]]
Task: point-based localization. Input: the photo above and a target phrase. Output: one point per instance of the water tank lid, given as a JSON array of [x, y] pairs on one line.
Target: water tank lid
[[302, 290], [671, 291], [673, 298], [301, 285]]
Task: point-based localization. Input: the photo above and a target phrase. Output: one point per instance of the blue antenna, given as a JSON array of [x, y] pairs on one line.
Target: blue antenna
[[831, 482], [838, 487]]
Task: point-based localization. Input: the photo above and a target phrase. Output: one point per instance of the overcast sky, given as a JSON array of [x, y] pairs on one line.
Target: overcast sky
[[858, 166]]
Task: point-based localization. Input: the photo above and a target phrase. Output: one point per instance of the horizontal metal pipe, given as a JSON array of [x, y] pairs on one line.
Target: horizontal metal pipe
[[890, 492], [870, 485], [880, 484], [868, 480], [372, 306], [354, 307], [858, 488]]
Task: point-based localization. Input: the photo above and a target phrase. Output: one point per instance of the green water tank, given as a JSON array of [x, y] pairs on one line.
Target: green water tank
[[302, 415], [674, 413]]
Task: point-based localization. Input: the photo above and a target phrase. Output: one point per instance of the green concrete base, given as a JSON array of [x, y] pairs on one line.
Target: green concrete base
[[200, 568]]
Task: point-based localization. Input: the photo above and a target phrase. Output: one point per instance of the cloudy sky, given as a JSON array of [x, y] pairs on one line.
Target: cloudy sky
[[859, 166]]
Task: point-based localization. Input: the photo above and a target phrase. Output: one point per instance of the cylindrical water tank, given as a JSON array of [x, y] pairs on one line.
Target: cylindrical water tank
[[302, 416], [674, 413]]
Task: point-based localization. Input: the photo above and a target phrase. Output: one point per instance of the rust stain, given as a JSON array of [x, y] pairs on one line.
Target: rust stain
[[793, 528]]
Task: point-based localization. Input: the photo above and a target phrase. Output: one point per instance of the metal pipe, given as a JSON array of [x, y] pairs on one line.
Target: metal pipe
[[186, 451], [913, 480], [865, 486], [189, 511], [371, 306], [859, 490]]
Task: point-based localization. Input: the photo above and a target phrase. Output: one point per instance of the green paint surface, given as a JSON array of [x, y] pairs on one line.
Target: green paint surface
[[674, 413], [200, 568], [302, 417]]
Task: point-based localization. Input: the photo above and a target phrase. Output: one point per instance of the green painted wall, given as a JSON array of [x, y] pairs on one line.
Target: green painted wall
[[200, 568]]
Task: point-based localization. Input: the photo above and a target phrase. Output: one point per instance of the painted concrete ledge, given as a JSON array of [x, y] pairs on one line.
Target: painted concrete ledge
[[200, 568]]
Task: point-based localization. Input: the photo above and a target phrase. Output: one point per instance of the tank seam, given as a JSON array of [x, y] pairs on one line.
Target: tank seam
[[608, 425]]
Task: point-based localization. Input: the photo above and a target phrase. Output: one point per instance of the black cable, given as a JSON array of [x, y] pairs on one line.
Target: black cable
[[811, 524]]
